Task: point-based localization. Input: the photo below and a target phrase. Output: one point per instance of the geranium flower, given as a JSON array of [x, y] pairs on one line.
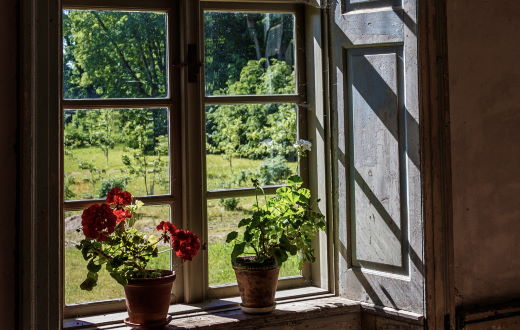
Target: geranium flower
[[185, 244], [98, 222], [118, 197], [122, 215]]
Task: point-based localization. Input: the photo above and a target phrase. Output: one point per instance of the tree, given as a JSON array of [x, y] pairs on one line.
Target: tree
[[114, 54], [145, 148], [233, 39], [255, 130]]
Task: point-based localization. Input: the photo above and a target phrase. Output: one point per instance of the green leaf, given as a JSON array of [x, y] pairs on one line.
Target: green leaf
[[92, 267], [238, 250], [88, 284], [294, 180], [231, 236], [248, 236], [119, 278], [244, 222], [280, 255]]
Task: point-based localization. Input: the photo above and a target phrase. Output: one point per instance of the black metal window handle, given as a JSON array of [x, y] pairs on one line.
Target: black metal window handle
[[191, 63]]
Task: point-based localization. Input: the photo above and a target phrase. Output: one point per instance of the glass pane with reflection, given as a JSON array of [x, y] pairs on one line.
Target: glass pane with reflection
[[223, 217], [250, 141], [127, 148], [76, 267], [114, 54], [249, 53]]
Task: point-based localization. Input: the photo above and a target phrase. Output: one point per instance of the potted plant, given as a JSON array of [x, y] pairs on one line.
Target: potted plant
[[285, 225], [111, 240]]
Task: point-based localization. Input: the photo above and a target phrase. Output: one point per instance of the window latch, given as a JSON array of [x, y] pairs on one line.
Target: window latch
[[192, 63]]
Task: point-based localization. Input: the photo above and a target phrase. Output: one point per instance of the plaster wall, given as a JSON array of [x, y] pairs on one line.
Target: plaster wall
[[8, 155], [484, 76]]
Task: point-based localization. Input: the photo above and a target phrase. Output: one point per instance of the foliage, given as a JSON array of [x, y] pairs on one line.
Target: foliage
[[94, 173], [229, 204], [130, 54], [143, 165], [112, 182], [255, 130], [111, 240], [68, 181], [232, 39], [273, 170], [284, 226]]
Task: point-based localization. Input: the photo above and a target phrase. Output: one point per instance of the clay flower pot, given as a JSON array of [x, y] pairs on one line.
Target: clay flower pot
[[257, 284], [148, 299]]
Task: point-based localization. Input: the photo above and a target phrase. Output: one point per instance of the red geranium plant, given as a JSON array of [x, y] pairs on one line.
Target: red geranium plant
[[111, 240]]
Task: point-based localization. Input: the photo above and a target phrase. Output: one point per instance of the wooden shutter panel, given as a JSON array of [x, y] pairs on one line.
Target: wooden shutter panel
[[376, 152]]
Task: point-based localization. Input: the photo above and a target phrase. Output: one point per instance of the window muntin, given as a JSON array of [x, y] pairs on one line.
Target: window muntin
[[240, 43], [114, 54]]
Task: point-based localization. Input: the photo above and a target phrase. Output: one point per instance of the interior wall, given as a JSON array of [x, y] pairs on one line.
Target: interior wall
[[484, 80], [8, 165]]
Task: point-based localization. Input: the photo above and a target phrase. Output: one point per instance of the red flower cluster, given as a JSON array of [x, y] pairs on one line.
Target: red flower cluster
[[98, 222], [185, 243], [119, 198], [122, 215]]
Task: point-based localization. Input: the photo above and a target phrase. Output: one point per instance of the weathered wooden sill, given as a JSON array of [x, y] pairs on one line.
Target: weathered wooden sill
[[320, 310], [225, 313]]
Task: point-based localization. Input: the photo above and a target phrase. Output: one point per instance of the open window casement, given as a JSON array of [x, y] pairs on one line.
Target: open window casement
[[378, 210]]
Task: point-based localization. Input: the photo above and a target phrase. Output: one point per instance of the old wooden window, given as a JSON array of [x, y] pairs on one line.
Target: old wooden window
[[137, 114], [254, 89], [121, 125]]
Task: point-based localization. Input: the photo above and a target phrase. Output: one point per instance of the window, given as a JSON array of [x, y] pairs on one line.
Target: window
[[253, 86], [121, 119], [126, 123]]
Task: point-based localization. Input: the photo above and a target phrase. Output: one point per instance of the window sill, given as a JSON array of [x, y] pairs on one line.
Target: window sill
[[292, 306]]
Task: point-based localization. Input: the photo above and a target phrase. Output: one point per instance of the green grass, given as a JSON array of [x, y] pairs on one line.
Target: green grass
[[220, 222]]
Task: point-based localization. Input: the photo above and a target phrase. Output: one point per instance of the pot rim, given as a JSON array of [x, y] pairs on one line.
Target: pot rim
[[236, 264], [168, 276]]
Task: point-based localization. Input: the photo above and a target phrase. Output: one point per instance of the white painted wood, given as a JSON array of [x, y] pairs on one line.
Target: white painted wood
[[377, 192]]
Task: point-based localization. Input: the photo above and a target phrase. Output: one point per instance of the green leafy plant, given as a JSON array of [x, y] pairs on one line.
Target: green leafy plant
[[229, 204], [111, 240], [284, 226], [112, 182]]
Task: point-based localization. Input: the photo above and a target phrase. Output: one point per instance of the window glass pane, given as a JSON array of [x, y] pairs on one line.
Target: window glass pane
[[104, 148], [249, 53], [250, 141], [114, 54], [223, 217], [76, 267]]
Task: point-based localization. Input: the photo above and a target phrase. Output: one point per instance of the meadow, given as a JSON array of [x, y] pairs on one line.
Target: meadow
[[220, 220]]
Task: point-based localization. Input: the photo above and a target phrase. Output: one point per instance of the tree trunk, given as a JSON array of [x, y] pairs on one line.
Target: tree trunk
[[251, 22]]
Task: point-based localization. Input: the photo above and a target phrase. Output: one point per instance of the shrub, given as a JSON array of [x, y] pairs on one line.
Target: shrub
[[229, 204], [273, 170], [109, 183]]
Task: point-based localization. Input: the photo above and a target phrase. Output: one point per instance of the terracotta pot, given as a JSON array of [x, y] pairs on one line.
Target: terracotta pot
[[148, 299], [257, 285]]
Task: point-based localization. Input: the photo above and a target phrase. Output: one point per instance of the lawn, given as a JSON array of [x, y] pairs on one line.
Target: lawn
[[220, 220]]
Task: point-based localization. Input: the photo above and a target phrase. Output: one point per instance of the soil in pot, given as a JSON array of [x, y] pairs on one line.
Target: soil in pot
[[257, 284], [148, 299]]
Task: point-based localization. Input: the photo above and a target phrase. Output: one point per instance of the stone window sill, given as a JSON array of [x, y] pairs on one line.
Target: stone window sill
[[296, 305], [306, 307]]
